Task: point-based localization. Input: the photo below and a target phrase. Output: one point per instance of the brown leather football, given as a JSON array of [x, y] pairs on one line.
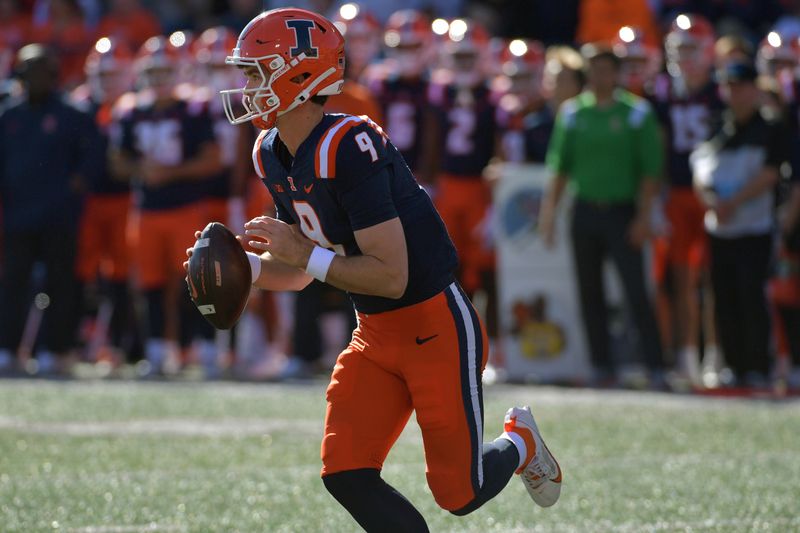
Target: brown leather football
[[219, 276]]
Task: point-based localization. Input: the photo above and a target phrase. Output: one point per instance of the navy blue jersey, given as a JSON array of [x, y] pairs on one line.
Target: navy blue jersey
[[404, 104], [46, 150], [688, 120], [169, 136], [104, 182], [467, 123], [347, 176], [226, 135], [524, 136]]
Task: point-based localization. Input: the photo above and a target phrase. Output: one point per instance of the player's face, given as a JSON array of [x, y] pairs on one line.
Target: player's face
[[603, 74], [634, 73], [741, 97], [408, 59], [161, 80], [690, 61], [362, 48], [109, 85]]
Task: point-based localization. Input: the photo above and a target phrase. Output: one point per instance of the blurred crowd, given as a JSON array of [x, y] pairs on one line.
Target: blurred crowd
[[673, 124]]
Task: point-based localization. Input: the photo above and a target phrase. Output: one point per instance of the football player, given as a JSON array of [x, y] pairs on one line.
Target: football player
[[688, 105], [350, 213], [400, 84], [461, 142], [166, 143], [363, 32], [640, 61], [103, 253], [523, 118]]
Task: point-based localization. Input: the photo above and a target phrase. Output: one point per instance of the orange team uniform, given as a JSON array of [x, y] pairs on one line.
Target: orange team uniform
[[168, 215], [463, 197], [102, 243], [14, 32], [355, 99], [133, 28], [424, 351], [600, 20]]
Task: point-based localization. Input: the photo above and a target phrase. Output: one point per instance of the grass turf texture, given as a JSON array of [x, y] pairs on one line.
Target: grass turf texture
[[124, 457]]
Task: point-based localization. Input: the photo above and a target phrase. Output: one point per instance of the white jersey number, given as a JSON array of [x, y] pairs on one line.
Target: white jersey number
[[400, 124], [459, 138], [312, 227], [160, 141], [690, 126]]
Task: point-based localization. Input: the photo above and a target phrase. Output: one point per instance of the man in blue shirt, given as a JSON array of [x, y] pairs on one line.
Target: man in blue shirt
[[47, 154]]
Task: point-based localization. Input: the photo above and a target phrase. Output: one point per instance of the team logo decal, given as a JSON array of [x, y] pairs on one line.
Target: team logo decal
[[302, 35]]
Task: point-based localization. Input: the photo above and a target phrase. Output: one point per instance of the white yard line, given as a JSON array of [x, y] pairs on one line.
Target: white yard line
[[144, 528], [175, 427]]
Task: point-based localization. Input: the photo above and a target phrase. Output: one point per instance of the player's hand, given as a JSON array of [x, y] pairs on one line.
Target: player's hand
[[189, 252], [725, 209], [547, 228], [155, 174], [280, 240], [639, 231]]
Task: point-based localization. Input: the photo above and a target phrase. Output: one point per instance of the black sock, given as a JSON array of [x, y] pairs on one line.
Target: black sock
[[373, 503], [500, 460]]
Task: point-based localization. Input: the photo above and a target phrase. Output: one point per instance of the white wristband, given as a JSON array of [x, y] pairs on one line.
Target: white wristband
[[319, 262], [255, 266]]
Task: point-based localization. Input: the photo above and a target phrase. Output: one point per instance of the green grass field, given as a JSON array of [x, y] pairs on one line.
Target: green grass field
[[124, 457]]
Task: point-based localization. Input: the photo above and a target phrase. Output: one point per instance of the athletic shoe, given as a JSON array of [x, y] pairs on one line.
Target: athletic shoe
[[540, 472]]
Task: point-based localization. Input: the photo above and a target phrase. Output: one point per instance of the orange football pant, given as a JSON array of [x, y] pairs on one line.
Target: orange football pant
[[463, 203], [102, 243], [429, 358], [161, 239]]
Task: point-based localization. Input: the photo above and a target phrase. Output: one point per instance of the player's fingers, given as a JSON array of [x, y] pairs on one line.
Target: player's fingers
[[189, 252], [259, 245], [264, 233], [197, 234], [186, 265]]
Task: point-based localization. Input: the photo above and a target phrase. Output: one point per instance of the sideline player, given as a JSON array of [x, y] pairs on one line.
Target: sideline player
[[687, 104], [339, 184]]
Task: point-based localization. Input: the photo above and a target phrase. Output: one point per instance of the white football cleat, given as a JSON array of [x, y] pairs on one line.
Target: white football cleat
[[540, 472]]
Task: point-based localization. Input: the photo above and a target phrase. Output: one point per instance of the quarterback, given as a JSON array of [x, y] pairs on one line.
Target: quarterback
[[350, 213]]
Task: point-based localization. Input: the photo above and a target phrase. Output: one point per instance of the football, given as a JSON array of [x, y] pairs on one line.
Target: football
[[218, 276]]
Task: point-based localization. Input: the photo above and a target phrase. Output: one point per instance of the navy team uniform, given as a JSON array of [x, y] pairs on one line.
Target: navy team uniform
[[688, 120], [466, 122], [168, 213], [405, 353], [404, 104], [524, 136]]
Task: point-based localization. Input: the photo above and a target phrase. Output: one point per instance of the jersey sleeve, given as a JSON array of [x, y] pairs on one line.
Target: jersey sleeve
[[559, 155], [361, 175], [651, 148]]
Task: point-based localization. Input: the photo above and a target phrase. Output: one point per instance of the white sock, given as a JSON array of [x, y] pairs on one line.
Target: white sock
[[519, 442]]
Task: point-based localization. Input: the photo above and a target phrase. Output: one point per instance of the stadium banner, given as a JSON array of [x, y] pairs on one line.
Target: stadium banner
[[542, 333]]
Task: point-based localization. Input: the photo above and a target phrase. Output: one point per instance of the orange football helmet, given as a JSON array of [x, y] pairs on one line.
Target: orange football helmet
[[107, 68], [406, 36], [689, 45], [159, 62], [640, 61], [210, 50], [297, 53], [363, 34], [776, 53]]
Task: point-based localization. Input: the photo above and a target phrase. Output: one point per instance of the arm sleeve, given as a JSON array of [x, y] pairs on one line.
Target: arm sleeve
[[779, 150], [91, 155], [363, 178], [651, 148], [558, 156]]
